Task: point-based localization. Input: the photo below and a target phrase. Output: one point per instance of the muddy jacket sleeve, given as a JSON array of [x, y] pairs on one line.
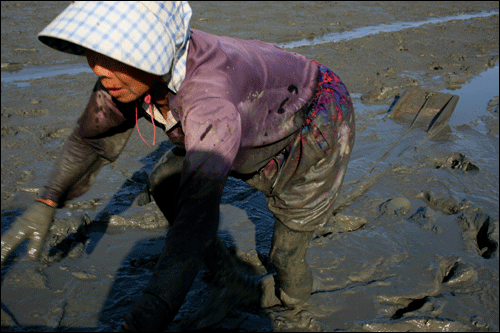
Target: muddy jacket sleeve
[[99, 137]]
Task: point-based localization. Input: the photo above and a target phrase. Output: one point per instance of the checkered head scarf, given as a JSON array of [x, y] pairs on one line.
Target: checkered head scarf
[[149, 35]]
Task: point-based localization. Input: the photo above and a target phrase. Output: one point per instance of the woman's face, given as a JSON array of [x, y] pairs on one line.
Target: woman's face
[[124, 82]]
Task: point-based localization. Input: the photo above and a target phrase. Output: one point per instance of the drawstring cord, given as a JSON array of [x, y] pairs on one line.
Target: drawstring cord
[[147, 99]]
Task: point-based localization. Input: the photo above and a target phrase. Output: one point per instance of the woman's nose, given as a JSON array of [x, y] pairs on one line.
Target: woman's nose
[[100, 70], [97, 63]]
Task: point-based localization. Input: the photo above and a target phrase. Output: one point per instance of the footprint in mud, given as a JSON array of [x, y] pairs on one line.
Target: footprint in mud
[[482, 231], [458, 274], [426, 218], [451, 276], [478, 227], [412, 306]]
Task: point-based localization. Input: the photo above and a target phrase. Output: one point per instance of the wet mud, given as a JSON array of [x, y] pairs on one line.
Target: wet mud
[[413, 245]]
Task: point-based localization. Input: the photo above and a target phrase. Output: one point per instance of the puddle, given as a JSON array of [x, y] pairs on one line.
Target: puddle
[[474, 98], [373, 30]]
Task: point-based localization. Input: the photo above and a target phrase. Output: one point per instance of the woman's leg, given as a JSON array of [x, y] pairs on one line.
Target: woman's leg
[[164, 180], [288, 256], [310, 180], [231, 285]]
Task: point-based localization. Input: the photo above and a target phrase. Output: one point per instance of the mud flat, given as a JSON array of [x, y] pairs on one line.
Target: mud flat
[[417, 249]]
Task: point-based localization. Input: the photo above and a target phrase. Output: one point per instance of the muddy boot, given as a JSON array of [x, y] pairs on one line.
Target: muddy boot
[[287, 255], [284, 320], [232, 286], [296, 282], [269, 295]]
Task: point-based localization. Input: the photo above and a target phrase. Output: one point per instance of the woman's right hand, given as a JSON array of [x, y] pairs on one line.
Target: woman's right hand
[[34, 225]]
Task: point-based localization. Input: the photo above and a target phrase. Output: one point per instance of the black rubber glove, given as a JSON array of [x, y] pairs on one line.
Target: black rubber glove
[[34, 225]]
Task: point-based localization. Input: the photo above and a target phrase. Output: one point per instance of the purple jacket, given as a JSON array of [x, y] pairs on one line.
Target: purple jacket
[[240, 103]]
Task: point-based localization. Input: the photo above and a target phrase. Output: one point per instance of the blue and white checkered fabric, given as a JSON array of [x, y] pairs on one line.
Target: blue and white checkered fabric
[[150, 35]]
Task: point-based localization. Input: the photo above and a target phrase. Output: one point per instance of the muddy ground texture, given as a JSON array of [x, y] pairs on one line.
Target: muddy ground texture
[[413, 246]]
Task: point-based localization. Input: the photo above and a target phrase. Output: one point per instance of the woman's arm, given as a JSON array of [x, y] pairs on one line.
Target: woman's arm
[[100, 136]]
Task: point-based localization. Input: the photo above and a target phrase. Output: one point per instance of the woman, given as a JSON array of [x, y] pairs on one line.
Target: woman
[[247, 109]]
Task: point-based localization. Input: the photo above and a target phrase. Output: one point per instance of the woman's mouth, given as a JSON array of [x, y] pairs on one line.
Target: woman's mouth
[[115, 92]]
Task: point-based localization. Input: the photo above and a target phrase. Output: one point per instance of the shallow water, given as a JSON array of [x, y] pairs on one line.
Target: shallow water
[[474, 99], [367, 31], [21, 78]]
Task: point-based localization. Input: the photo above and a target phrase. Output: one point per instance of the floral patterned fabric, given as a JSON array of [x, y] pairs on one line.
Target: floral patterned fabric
[[303, 181]]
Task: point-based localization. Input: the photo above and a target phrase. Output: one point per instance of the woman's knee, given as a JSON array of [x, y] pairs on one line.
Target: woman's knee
[[169, 165], [164, 181]]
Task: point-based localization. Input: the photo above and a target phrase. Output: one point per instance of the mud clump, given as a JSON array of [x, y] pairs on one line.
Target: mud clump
[[426, 218], [11, 66], [378, 94], [493, 105], [84, 276], [67, 238], [447, 206], [347, 223], [8, 131], [457, 161], [87, 204], [398, 206], [340, 223], [255, 263], [149, 220]]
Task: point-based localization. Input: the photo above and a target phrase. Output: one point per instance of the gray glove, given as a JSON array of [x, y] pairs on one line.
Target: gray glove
[[34, 225]]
